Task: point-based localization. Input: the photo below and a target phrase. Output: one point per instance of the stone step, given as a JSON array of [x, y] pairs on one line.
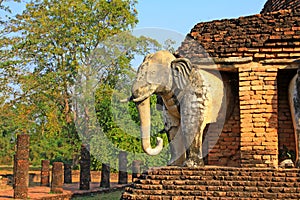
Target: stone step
[[168, 178], [271, 189], [203, 185], [216, 183], [223, 171], [215, 196]]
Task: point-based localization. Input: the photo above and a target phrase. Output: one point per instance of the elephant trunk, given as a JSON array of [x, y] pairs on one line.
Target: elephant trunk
[[145, 118]]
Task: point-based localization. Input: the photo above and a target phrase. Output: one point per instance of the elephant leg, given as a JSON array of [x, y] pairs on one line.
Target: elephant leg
[[194, 155], [176, 147], [297, 138], [172, 127], [192, 123]]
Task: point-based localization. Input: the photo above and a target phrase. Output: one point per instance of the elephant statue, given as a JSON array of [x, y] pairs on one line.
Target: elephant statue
[[294, 101], [192, 98]]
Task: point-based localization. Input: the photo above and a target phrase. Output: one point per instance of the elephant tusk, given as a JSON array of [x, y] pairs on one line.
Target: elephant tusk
[[142, 98], [127, 100]]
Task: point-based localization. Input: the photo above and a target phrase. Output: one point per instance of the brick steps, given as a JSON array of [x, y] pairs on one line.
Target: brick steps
[[216, 183], [174, 179]]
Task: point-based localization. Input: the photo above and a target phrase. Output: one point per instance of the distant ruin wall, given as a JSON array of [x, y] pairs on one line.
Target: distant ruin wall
[[275, 5]]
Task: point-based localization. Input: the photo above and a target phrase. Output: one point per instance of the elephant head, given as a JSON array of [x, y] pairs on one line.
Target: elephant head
[[155, 76]]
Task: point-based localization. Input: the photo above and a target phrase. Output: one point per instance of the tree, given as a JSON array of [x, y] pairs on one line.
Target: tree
[[49, 49], [51, 40], [98, 90]]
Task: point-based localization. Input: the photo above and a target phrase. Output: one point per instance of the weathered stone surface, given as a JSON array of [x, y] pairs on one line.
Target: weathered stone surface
[[57, 177], [45, 173], [21, 167], [85, 168], [105, 176], [136, 169], [67, 173], [123, 174]]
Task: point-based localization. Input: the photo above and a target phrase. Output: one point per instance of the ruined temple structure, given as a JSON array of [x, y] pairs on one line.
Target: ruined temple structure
[[261, 53]]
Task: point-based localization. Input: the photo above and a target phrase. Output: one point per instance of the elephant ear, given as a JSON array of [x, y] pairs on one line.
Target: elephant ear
[[181, 70]]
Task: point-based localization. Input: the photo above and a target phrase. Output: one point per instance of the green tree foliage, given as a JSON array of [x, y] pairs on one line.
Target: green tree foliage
[[55, 50], [41, 51], [120, 123]]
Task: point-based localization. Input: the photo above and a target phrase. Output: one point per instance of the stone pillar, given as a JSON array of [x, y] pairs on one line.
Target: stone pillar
[[136, 169], [85, 167], [14, 171], [68, 173], [105, 176], [57, 177], [21, 167], [123, 174], [258, 115], [45, 173]]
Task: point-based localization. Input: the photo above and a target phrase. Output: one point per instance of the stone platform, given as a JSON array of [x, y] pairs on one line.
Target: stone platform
[[170, 183]]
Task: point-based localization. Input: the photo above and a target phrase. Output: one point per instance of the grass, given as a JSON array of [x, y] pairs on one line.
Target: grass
[[109, 196]]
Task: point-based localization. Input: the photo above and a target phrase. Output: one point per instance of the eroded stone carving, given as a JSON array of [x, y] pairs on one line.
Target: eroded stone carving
[[192, 98], [294, 101]]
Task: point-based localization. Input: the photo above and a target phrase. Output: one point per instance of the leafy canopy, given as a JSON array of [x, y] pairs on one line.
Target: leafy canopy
[[48, 50]]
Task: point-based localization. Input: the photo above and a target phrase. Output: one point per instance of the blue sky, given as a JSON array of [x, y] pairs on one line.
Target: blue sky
[[182, 15], [170, 19]]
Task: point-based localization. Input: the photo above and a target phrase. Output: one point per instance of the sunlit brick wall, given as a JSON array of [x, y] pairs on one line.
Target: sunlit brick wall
[[275, 5]]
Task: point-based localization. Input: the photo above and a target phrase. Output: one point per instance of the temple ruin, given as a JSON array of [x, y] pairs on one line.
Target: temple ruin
[[261, 52]]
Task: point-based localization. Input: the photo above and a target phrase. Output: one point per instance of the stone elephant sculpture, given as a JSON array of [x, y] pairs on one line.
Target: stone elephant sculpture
[[294, 101], [192, 98]]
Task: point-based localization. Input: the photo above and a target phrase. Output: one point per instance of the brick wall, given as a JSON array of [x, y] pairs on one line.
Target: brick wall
[[217, 183], [261, 44], [267, 36], [265, 115], [224, 147], [275, 5], [270, 41], [285, 126], [261, 125], [258, 113]]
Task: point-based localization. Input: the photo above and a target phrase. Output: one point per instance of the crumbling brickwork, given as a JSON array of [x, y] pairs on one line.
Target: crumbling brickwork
[[260, 37], [216, 183], [258, 48], [275, 5]]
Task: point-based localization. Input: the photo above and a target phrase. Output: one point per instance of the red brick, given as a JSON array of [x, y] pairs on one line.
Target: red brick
[[259, 130], [275, 37]]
